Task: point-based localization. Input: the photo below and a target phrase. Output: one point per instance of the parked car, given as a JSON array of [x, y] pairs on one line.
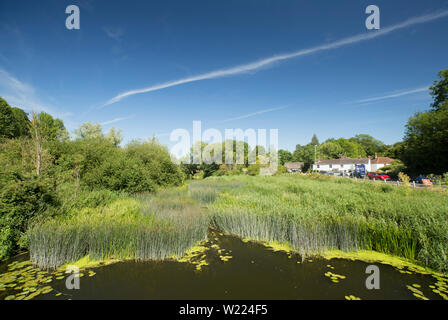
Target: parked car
[[423, 180], [378, 176]]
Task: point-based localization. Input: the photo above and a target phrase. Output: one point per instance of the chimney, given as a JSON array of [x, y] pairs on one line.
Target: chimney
[[376, 156]]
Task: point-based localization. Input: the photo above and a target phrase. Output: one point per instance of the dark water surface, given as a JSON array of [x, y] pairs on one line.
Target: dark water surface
[[252, 272]]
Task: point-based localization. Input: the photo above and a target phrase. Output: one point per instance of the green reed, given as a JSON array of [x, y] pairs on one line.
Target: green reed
[[316, 213], [147, 227]]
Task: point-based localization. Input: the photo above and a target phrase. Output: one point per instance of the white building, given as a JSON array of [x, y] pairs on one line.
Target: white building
[[348, 164]]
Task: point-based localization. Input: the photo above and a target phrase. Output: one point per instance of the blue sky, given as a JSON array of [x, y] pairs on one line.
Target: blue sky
[[218, 49]]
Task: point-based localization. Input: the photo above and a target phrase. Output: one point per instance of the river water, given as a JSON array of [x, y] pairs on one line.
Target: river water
[[234, 269]]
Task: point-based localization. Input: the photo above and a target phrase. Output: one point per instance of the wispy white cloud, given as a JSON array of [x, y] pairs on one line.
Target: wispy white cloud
[[105, 123], [253, 66], [395, 94], [254, 114], [22, 95]]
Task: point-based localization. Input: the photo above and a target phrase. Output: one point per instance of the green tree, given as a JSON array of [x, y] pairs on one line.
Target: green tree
[[114, 136], [439, 90], [7, 127], [369, 144], [89, 130], [426, 136], [14, 122], [330, 150], [351, 149], [52, 129], [314, 140], [21, 122], [304, 154], [20, 201], [395, 151], [284, 156]]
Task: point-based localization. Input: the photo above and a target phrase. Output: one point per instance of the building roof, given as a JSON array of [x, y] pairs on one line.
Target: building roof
[[343, 160], [294, 165], [381, 160]]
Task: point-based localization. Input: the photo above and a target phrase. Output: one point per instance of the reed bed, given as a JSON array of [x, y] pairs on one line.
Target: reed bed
[[207, 191], [315, 214], [146, 227]]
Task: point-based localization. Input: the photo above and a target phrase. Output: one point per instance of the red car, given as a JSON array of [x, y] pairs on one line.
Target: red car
[[378, 176]]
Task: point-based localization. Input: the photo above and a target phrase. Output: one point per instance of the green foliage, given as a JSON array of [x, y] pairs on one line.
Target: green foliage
[[281, 170], [330, 150], [51, 129], [370, 145], [315, 213], [350, 149], [314, 140], [140, 166], [13, 121], [21, 122], [284, 156], [6, 120], [426, 137], [404, 178], [253, 170], [426, 141], [439, 90], [89, 130], [88, 172], [393, 169], [304, 154], [93, 131], [21, 201]]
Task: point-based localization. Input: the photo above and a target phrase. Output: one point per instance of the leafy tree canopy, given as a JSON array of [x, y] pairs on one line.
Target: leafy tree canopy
[[426, 136], [369, 144]]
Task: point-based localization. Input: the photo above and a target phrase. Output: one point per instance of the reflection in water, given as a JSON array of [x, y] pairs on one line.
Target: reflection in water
[[226, 267]]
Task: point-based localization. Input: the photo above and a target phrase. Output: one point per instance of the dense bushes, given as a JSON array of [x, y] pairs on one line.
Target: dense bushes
[[140, 166], [20, 201]]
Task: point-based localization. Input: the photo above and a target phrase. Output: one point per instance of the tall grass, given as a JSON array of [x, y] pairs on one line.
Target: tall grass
[[147, 227], [318, 213], [206, 192]]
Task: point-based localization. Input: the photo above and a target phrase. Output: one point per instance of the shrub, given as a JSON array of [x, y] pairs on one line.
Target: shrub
[[20, 202], [404, 178], [253, 169]]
